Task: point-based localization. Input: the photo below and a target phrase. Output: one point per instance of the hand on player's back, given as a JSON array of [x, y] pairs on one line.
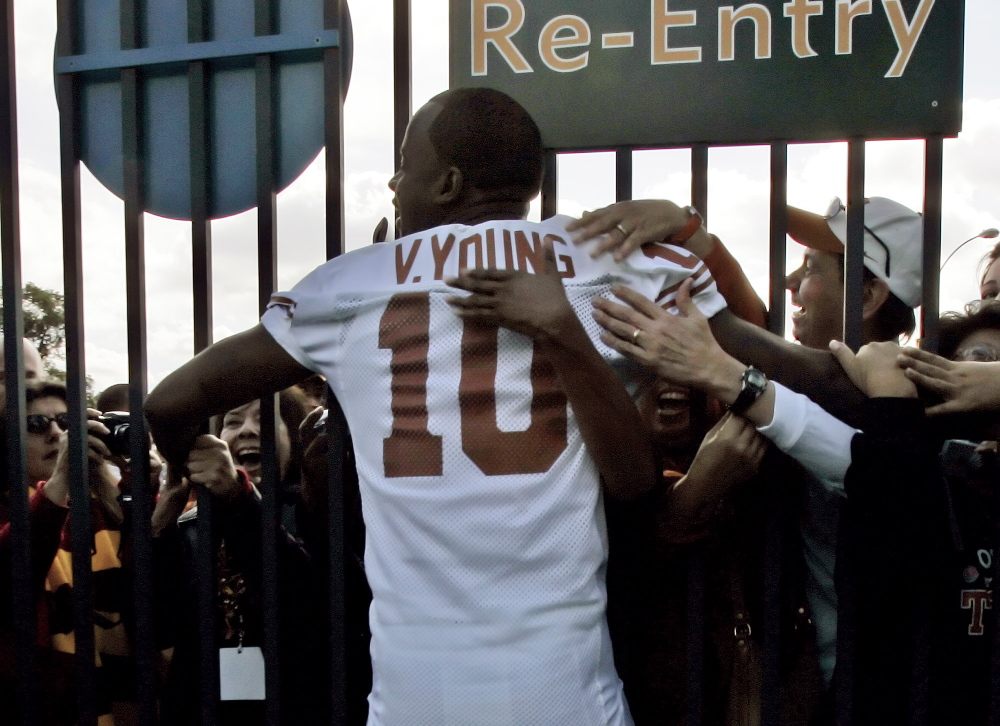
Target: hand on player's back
[[532, 304]]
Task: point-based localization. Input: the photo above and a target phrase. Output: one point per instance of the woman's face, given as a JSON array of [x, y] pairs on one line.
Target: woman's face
[[666, 410], [241, 431], [42, 449], [990, 287]]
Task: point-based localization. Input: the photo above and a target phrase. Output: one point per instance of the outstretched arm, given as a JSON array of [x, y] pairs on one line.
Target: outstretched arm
[[814, 373], [238, 369], [536, 306]]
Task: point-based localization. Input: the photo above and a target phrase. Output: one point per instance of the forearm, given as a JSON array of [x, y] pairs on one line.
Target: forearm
[[811, 372], [609, 421], [238, 369]]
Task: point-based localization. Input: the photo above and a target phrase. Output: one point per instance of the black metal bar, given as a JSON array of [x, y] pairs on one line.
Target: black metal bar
[[267, 237], [623, 174], [933, 191], [135, 280], [333, 68], [696, 636], [402, 73], [199, 22], [779, 229], [22, 605], [82, 537], [770, 696], [334, 137], [699, 179], [855, 252], [550, 185]]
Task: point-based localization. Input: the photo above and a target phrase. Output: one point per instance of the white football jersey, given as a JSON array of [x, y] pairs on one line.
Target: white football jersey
[[486, 544]]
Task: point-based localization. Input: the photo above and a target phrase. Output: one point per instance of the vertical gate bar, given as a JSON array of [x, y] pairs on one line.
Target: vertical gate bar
[[267, 237], [699, 179], [550, 185], [402, 52], [333, 68], [201, 227], [853, 291], [333, 60], [135, 281], [623, 174], [696, 564], [779, 229], [199, 22], [933, 191], [76, 392], [695, 639], [855, 251], [22, 604], [774, 537]]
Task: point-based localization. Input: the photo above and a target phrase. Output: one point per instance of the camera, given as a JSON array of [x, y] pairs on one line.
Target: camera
[[117, 438]]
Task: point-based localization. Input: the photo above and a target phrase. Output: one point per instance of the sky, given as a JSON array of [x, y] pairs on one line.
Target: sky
[[738, 189]]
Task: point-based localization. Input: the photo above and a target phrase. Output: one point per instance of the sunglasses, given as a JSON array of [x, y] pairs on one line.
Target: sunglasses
[[836, 207], [38, 423]]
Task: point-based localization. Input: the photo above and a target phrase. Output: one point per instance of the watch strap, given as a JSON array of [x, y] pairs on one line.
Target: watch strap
[[754, 384], [694, 222]]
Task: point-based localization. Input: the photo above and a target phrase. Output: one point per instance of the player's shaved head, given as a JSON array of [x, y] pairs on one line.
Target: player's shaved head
[[492, 140]]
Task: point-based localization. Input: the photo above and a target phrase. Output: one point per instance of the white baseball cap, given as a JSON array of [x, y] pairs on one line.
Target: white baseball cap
[[894, 237]]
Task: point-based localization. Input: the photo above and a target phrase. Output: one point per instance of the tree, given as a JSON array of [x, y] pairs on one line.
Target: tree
[[45, 326], [44, 319]]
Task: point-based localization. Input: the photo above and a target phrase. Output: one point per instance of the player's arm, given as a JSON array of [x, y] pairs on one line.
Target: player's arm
[[536, 306], [238, 369]]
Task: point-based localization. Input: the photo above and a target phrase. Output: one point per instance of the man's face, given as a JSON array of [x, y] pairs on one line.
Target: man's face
[[34, 369], [419, 169], [42, 449], [818, 293]]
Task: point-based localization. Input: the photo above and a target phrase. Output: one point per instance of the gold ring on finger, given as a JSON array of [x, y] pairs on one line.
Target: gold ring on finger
[[635, 335], [621, 229]]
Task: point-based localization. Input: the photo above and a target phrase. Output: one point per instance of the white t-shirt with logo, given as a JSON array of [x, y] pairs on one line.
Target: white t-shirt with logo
[[486, 543]]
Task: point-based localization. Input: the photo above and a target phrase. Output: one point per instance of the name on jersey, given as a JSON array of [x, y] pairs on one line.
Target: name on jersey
[[503, 249]]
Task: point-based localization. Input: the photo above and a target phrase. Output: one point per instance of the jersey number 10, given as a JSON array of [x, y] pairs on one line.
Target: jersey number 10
[[412, 450]]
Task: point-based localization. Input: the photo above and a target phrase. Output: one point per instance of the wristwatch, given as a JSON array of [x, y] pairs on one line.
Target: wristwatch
[[695, 221], [754, 384]]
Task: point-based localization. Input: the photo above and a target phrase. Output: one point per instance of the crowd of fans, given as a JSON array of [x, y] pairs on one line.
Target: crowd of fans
[[873, 476]]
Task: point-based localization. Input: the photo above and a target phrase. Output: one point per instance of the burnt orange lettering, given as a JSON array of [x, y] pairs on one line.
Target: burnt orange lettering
[[463, 251], [529, 252], [403, 268], [491, 249], [441, 254]]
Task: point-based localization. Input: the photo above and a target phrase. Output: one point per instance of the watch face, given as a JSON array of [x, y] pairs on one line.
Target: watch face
[[755, 379]]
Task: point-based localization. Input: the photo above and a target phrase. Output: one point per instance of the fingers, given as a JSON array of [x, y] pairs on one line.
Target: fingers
[[307, 429], [931, 383], [593, 224], [617, 319], [913, 356], [931, 370], [475, 284], [637, 301], [381, 230], [684, 302], [845, 356]]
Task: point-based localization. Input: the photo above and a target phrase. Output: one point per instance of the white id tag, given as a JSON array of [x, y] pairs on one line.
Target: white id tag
[[241, 674]]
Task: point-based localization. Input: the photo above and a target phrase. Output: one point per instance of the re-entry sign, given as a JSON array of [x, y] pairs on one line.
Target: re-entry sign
[[605, 73]]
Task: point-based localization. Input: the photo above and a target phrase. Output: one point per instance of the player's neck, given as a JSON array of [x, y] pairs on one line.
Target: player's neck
[[471, 214]]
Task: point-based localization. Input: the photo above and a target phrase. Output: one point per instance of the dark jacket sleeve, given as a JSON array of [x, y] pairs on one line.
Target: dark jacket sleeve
[[886, 559], [47, 521]]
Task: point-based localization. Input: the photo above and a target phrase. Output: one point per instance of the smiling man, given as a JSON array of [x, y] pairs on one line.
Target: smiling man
[[892, 276]]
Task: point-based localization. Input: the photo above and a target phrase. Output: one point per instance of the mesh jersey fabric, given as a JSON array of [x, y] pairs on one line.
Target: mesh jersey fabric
[[486, 543]]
